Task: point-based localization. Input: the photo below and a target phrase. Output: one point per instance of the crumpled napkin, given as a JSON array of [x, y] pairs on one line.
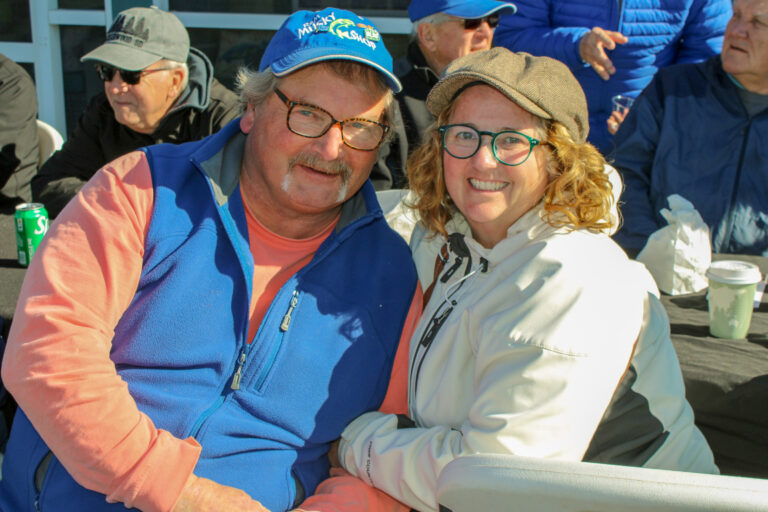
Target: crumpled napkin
[[679, 254]]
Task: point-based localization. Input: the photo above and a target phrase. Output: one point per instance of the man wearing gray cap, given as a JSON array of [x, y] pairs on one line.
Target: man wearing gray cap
[[156, 89], [443, 30]]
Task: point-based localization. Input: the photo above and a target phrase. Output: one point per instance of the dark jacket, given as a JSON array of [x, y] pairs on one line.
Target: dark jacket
[[689, 134], [18, 132], [411, 120], [203, 108], [264, 412], [660, 32]]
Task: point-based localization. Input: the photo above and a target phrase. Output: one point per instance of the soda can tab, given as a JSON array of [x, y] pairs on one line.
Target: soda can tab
[[31, 221]]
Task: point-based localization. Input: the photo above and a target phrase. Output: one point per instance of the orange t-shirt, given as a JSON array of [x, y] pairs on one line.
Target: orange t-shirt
[[275, 260]]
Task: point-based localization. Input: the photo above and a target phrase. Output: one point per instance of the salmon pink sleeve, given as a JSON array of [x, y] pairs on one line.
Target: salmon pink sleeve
[[343, 492], [57, 362], [396, 399]]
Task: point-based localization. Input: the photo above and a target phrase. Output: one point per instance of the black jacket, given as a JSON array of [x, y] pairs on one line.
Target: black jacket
[[18, 132], [411, 119], [203, 108]]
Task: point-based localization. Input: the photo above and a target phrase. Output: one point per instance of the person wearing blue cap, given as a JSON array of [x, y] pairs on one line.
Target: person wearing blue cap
[[443, 30], [204, 319]]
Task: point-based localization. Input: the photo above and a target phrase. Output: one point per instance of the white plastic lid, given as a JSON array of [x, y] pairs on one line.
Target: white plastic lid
[[734, 272]]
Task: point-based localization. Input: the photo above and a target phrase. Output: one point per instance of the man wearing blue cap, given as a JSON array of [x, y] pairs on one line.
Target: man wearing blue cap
[[443, 30], [203, 320]]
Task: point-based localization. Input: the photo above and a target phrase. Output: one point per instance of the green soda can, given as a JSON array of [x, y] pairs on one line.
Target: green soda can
[[31, 221]]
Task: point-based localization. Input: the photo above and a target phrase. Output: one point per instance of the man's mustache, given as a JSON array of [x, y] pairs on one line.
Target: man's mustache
[[315, 162]]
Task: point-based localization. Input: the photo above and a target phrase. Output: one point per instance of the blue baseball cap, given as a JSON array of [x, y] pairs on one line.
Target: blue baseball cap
[[460, 8], [308, 37]]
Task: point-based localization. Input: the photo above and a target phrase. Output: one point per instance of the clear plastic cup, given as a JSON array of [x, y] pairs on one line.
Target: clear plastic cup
[[622, 103], [731, 297]]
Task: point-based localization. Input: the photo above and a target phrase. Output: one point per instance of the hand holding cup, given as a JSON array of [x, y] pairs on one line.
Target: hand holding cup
[[621, 106]]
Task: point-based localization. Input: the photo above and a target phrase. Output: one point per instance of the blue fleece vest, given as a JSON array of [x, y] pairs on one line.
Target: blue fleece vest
[[264, 412]]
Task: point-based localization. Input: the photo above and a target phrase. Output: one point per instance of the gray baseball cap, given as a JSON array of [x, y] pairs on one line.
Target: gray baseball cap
[[141, 36], [543, 86]]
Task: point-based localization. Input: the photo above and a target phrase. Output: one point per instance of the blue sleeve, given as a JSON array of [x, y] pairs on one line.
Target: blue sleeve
[[636, 144], [530, 31], [703, 32]]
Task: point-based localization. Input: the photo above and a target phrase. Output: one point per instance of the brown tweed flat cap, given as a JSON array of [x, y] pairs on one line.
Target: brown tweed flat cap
[[544, 87]]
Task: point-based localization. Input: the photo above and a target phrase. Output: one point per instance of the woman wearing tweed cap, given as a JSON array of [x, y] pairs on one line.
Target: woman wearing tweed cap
[[539, 336]]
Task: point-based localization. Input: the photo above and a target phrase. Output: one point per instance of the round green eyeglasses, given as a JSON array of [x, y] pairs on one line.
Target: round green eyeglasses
[[509, 147]]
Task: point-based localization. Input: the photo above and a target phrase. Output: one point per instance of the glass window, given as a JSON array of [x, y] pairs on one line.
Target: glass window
[[81, 4], [229, 50], [29, 68], [246, 6], [397, 44], [14, 21], [80, 80], [363, 7]]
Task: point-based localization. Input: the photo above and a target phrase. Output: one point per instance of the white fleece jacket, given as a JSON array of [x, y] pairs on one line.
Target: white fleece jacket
[[556, 346]]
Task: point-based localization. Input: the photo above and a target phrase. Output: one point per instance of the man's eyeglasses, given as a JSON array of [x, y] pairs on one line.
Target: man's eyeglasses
[[107, 73], [311, 121], [492, 20], [509, 147]]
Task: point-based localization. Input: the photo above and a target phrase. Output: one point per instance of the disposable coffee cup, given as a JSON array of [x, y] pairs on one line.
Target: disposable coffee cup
[[731, 297]]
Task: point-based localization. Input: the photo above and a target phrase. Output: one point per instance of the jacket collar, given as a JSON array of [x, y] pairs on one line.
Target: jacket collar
[[722, 86], [419, 66]]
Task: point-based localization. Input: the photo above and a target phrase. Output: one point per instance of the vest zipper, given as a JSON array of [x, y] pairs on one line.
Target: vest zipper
[[272, 356], [239, 372], [287, 318]]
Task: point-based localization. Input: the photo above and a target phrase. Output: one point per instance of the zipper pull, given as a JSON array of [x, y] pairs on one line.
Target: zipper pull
[[435, 326], [239, 372], [287, 318], [451, 270]]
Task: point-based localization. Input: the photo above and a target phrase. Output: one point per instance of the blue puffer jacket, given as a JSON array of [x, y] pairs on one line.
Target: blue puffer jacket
[[690, 134], [266, 412], [660, 32]]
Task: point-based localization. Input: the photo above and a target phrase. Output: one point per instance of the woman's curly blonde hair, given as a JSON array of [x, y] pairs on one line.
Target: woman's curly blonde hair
[[579, 193]]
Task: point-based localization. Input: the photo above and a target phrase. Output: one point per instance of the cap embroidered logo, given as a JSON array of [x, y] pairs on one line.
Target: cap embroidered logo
[[346, 29], [126, 32]]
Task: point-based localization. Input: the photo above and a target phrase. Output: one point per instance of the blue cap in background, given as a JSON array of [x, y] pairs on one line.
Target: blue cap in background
[[308, 37], [467, 9]]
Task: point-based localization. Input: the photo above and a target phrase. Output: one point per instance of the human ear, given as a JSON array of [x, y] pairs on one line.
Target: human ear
[[426, 35], [246, 121], [177, 78]]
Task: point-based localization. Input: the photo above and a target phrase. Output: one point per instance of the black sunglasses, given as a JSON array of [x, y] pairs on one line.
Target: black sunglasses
[[107, 73], [472, 24]]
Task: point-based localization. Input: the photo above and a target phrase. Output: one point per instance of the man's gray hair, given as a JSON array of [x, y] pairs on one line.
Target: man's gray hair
[[435, 19], [168, 63], [256, 86]]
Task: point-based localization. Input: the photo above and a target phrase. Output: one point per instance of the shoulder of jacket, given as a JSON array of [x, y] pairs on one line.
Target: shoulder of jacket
[[223, 94]]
